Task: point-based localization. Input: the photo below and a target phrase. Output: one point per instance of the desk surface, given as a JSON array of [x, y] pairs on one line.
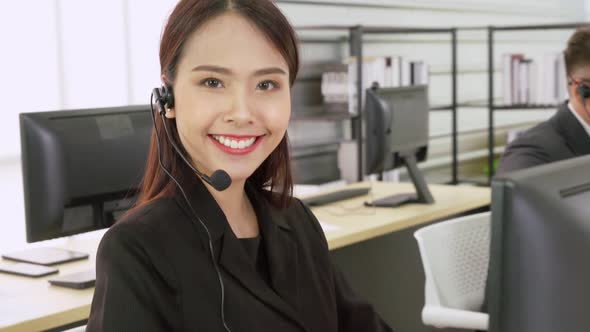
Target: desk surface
[[28, 304], [358, 223]]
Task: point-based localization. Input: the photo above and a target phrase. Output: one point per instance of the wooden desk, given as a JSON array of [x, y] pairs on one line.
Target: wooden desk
[[33, 304], [359, 223]]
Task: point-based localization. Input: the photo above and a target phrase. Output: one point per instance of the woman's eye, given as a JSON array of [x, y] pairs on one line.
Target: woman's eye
[[212, 83], [268, 85]]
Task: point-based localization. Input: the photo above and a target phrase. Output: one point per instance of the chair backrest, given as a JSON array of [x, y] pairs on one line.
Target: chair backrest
[[455, 256]]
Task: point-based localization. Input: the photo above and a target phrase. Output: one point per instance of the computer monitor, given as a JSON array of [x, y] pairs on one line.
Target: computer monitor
[[539, 278], [396, 134], [81, 168]]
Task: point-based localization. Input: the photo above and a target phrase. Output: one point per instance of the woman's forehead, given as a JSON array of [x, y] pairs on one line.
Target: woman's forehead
[[230, 40]]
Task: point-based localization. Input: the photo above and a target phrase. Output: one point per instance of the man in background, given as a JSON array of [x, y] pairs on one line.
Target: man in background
[[567, 133]]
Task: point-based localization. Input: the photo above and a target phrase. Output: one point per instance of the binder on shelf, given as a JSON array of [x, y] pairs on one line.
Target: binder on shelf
[[406, 78], [507, 79], [386, 71], [536, 80]]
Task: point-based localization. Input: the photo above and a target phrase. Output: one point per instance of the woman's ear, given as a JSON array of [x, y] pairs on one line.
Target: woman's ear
[[170, 113]]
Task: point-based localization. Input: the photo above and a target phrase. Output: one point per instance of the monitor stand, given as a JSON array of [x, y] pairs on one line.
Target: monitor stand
[[422, 196]]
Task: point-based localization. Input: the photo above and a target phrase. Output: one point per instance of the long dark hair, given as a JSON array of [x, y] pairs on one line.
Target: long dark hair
[[273, 177]]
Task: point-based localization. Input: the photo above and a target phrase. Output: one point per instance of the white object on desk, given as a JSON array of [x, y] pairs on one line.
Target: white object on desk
[[300, 190], [328, 228]]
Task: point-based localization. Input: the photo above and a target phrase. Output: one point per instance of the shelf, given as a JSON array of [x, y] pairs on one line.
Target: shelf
[[442, 108], [336, 112], [476, 103], [314, 144], [405, 30], [524, 107], [497, 107], [353, 34], [376, 29], [322, 113], [540, 26], [322, 116]]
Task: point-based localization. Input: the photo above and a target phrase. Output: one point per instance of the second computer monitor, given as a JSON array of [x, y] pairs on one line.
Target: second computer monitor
[[81, 167], [396, 125], [539, 277], [396, 134]]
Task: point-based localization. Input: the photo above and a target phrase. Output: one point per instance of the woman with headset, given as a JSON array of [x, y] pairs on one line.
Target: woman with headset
[[216, 242]]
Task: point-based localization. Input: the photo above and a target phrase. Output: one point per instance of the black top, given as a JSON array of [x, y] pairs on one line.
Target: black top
[[155, 273], [251, 247], [255, 252], [559, 138]]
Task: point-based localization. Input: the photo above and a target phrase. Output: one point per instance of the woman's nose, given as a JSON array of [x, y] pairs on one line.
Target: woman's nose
[[240, 111]]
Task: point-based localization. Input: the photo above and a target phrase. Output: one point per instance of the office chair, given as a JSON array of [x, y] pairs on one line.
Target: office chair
[[455, 256]]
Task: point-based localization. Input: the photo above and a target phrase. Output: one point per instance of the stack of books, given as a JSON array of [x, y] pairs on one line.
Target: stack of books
[[536, 80], [339, 81]]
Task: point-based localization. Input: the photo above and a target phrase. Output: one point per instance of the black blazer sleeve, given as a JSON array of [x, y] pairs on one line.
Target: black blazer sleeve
[[354, 313], [559, 138], [130, 295], [523, 154]]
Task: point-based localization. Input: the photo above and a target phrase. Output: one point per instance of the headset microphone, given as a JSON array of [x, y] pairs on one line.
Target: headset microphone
[[219, 180]]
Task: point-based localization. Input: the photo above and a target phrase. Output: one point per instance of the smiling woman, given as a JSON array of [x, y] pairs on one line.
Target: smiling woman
[[193, 256]]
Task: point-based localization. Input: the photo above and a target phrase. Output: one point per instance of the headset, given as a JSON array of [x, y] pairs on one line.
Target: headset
[[220, 180], [584, 92]]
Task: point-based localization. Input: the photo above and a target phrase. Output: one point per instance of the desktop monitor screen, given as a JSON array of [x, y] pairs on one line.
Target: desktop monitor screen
[[396, 124], [81, 168], [397, 135], [539, 277]]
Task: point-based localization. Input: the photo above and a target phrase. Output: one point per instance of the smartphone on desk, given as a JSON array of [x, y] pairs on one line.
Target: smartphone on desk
[[27, 269]]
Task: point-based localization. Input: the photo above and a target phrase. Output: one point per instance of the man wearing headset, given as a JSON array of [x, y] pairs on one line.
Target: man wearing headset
[[566, 134]]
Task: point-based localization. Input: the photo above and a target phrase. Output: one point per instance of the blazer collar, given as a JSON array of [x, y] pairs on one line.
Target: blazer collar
[[570, 128], [206, 209], [278, 240]]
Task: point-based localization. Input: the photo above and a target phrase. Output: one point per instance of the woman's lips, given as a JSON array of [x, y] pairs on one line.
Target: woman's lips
[[236, 144]]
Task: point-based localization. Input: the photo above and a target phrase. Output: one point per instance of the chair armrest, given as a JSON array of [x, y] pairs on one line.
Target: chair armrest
[[445, 317]]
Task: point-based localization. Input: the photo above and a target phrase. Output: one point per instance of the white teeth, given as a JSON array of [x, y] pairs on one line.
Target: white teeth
[[235, 144]]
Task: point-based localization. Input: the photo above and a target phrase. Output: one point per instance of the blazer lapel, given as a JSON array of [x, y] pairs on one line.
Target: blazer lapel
[[281, 253], [279, 245], [234, 260], [576, 137]]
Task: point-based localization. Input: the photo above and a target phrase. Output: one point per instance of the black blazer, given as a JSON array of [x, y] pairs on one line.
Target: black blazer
[[559, 138], [155, 273]]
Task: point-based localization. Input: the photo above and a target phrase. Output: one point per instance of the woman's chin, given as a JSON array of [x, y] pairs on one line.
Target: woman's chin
[[239, 176]]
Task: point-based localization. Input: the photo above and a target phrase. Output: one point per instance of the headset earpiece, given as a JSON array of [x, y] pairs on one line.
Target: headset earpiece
[[583, 91], [164, 98], [167, 96]]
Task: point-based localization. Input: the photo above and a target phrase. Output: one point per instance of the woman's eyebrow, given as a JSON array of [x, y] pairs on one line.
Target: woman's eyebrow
[[229, 72], [216, 69], [268, 71]]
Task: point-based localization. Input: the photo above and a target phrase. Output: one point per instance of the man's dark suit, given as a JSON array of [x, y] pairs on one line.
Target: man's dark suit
[[559, 138], [154, 273]]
